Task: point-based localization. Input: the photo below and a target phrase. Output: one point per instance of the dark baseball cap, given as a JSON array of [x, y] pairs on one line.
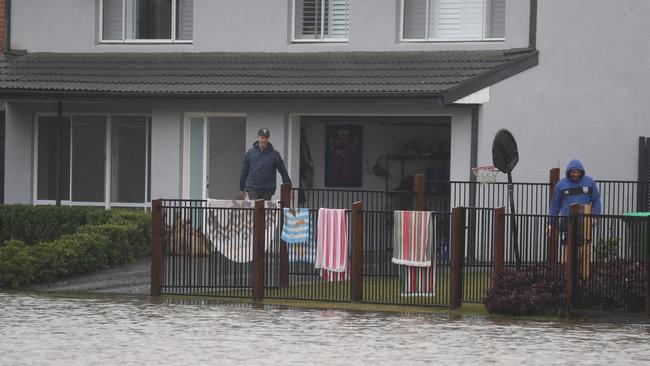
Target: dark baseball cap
[[264, 132]]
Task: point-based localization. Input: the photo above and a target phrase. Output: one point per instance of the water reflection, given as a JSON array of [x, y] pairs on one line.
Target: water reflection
[[46, 329]]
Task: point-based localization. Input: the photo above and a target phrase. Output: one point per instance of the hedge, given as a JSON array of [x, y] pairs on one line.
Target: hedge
[[33, 224], [113, 238]]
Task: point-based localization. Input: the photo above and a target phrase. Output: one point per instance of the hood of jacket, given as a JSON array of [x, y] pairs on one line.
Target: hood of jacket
[[574, 164]]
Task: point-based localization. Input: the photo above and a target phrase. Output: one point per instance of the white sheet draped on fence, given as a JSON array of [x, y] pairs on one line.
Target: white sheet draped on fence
[[230, 232]]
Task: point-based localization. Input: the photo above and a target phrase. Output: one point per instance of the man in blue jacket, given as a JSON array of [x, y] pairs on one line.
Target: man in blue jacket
[[576, 187], [257, 180]]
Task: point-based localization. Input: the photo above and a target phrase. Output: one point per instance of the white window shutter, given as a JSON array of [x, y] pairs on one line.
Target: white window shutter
[[131, 16], [456, 19], [338, 18], [497, 19], [112, 20], [415, 19], [185, 23]]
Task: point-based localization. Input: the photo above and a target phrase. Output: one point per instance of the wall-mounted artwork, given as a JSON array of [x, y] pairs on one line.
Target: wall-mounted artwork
[[343, 155]]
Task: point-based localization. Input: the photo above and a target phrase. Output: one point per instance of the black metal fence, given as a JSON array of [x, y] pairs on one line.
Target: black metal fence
[[611, 262], [208, 250], [304, 280], [344, 198], [388, 283], [617, 197]]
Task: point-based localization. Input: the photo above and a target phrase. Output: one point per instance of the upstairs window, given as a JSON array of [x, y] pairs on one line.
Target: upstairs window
[[147, 20], [321, 20], [453, 20]]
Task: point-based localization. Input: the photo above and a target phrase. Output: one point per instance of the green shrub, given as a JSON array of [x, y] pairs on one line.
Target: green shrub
[[126, 241], [71, 254], [62, 241], [33, 224], [16, 264]]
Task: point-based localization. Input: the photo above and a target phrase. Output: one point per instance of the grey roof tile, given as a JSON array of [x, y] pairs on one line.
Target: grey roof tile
[[254, 74]]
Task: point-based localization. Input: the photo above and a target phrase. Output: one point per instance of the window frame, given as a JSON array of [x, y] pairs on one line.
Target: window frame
[[428, 39], [171, 40], [322, 39], [107, 203]]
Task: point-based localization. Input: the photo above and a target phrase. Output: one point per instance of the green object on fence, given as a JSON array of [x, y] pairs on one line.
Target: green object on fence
[[638, 231]]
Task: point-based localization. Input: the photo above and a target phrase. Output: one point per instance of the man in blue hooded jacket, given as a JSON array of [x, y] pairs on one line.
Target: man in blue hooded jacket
[[257, 178], [576, 187]]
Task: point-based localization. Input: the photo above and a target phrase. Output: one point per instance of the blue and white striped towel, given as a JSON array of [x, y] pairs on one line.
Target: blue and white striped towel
[[298, 235], [296, 225]]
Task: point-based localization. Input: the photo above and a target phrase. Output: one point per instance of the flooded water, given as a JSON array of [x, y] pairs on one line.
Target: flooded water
[[49, 329]]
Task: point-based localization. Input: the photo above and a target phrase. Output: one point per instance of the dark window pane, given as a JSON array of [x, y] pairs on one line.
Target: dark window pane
[[48, 134], [154, 19], [128, 159], [88, 158]]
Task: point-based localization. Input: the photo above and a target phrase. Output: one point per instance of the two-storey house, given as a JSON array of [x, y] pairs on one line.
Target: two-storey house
[[113, 102]]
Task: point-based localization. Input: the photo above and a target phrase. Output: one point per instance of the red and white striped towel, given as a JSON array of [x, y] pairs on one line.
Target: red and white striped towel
[[331, 243], [412, 237]]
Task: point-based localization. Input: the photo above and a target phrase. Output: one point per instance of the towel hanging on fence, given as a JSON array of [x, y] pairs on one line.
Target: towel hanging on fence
[[417, 281], [230, 232], [332, 244], [296, 232], [413, 235]]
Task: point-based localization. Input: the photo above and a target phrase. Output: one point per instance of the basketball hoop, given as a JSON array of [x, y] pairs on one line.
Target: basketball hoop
[[486, 173]]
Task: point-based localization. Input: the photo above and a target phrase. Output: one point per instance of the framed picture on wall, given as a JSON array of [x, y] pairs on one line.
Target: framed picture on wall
[[343, 155]]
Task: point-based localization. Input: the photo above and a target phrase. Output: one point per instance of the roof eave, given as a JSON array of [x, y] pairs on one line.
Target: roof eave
[[56, 95], [505, 71]]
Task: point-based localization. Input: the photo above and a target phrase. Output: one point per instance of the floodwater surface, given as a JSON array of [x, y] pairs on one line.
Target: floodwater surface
[[38, 328]]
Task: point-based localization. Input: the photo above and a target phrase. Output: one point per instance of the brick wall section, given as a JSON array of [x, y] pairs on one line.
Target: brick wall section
[[3, 26]]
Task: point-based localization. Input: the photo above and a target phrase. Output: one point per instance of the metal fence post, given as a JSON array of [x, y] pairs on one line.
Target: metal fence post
[[499, 239], [418, 192], [285, 200], [356, 284], [258, 251], [553, 178], [457, 244], [156, 247], [570, 255]]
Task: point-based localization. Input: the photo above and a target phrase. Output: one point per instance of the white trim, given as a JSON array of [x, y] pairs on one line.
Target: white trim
[[187, 118], [171, 40], [478, 97], [204, 160], [35, 162], [146, 161], [321, 38], [428, 39], [107, 161]]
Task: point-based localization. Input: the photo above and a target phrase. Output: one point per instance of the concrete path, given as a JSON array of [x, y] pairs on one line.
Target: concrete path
[[130, 279]]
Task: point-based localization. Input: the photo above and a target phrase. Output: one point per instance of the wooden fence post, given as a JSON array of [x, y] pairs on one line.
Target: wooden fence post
[[258, 251], [457, 246], [499, 240], [356, 284], [285, 200], [156, 247], [553, 178], [647, 266], [570, 264], [418, 192]]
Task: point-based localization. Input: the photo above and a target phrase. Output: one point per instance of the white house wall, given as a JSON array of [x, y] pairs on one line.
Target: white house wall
[[18, 154], [236, 26], [587, 98]]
